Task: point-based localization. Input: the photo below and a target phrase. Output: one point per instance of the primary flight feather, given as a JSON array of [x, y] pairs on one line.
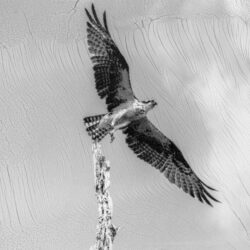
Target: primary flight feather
[[127, 113]]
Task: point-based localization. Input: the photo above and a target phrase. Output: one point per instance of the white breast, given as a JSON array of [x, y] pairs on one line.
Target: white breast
[[123, 117]]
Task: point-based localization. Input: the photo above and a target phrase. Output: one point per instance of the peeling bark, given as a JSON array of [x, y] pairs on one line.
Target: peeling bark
[[106, 231]]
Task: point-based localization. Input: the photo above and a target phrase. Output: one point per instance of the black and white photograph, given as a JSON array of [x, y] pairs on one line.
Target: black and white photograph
[[125, 125]]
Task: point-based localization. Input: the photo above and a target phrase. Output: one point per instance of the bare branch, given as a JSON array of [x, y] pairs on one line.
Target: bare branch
[[106, 231]]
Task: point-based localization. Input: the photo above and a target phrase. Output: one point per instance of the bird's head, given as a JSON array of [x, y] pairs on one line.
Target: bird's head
[[150, 104], [153, 103]]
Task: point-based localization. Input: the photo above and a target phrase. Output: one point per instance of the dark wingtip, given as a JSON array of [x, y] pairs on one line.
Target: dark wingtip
[[105, 22], [93, 18], [208, 186], [204, 198], [94, 14], [206, 194], [88, 15]]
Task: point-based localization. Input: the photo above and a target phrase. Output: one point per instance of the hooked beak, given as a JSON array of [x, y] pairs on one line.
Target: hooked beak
[[154, 103]]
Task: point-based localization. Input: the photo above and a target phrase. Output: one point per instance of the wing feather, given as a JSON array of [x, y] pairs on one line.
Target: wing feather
[[105, 22], [110, 67], [152, 146]]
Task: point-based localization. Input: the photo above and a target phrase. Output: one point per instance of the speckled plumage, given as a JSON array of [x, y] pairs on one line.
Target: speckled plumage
[[112, 80]]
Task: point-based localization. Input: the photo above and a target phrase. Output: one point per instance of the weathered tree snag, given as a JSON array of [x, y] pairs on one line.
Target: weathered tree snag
[[106, 231]]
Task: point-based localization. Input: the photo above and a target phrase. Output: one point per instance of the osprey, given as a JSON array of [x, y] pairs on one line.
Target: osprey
[[127, 113]]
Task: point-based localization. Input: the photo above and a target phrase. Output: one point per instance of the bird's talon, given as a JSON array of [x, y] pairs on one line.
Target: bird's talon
[[112, 137]]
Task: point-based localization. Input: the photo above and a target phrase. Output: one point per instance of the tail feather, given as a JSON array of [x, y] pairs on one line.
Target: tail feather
[[96, 133], [92, 120]]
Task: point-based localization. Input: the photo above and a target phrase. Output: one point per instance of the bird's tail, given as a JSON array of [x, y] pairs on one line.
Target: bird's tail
[[92, 127]]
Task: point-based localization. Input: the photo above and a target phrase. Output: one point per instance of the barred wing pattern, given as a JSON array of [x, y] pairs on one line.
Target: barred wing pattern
[[152, 146], [111, 69]]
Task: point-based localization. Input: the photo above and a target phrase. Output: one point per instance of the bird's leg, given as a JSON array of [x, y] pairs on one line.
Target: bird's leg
[[112, 136], [112, 131]]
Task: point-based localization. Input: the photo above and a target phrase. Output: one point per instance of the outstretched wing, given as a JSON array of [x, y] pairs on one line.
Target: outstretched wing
[[111, 69], [152, 146]]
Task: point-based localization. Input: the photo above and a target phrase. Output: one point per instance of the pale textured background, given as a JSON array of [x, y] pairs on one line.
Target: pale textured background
[[192, 57]]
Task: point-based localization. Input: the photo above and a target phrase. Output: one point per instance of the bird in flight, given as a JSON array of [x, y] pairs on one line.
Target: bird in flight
[[127, 113]]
